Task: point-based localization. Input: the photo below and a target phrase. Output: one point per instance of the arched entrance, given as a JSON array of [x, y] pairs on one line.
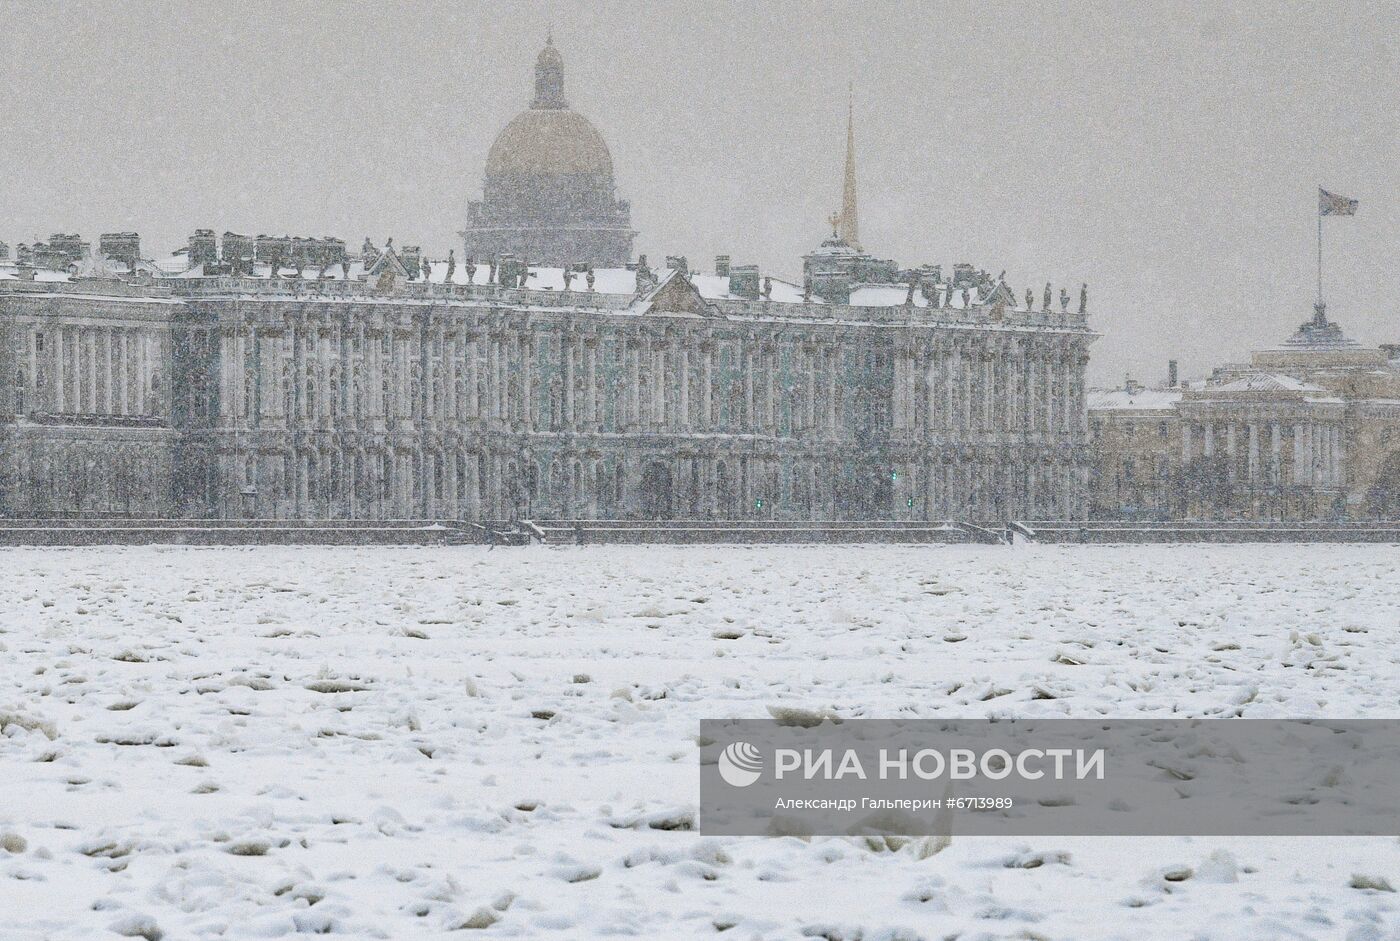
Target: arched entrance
[[864, 491], [1383, 498], [656, 491]]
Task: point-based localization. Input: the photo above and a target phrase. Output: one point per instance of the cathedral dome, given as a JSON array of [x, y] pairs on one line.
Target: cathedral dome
[[548, 142], [549, 189], [547, 139]]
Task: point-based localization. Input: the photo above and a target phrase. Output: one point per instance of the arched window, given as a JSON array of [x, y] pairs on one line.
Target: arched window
[[313, 477], [335, 484], [556, 404]]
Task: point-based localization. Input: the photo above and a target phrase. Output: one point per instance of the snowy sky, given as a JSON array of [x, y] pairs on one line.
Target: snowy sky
[[1166, 154]]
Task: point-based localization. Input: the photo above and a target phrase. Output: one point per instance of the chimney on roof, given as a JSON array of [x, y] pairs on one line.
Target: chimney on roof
[[678, 263], [722, 265], [744, 280], [62, 251], [1171, 374], [121, 246], [203, 249]]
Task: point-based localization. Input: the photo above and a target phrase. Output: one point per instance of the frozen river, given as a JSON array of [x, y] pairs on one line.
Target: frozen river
[[394, 743]]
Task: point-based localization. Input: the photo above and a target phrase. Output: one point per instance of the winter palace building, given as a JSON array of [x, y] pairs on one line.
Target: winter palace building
[[538, 374]]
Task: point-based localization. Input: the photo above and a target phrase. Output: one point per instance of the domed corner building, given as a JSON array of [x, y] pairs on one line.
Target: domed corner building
[[548, 196]]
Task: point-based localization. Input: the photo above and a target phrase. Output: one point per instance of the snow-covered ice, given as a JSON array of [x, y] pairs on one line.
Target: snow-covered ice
[[395, 743]]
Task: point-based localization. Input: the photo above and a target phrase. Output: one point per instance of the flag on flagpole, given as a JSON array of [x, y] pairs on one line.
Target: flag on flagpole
[[1330, 204]]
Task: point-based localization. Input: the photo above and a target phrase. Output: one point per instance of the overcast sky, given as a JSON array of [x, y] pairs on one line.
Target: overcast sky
[[1167, 154]]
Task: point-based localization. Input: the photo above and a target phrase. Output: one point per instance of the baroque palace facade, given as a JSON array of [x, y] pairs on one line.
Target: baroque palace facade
[[294, 378]]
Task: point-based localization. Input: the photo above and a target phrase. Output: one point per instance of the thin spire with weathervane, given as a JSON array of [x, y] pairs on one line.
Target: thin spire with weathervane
[[848, 228]]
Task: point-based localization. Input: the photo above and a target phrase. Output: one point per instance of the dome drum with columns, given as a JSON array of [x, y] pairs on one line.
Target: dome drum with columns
[[548, 195]]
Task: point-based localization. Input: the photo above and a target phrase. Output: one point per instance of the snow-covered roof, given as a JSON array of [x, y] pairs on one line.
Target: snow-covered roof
[[1263, 385], [1264, 382], [615, 281], [714, 287], [1136, 399], [9, 271]]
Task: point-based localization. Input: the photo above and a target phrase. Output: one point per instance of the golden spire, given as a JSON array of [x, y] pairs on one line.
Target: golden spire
[[849, 229]]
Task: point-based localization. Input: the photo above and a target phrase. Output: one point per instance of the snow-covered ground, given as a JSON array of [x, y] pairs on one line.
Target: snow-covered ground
[[405, 743]]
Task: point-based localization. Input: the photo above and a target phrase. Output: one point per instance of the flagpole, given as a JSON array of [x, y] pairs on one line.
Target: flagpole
[[1319, 256], [1319, 317]]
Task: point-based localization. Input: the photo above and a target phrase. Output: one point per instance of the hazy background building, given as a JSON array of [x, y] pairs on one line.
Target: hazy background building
[[1308, 428], [548, 194]]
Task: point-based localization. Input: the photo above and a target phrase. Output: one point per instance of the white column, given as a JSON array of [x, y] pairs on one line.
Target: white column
[[1341, 458], [57, 381], [595, 409], [898, 418], [141, 374], [831, 382], [1275, 453], [107, 396], [748, 361]]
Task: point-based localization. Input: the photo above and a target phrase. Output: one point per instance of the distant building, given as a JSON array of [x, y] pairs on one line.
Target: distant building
[[548, 197], [1308, 429]]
